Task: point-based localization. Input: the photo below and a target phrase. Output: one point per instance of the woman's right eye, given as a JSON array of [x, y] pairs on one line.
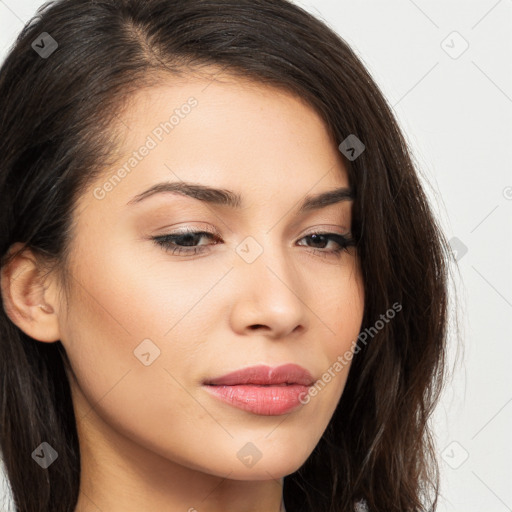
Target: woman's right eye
[[177, 243]]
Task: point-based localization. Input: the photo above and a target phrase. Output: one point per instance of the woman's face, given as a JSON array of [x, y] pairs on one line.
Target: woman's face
[[146, 326]]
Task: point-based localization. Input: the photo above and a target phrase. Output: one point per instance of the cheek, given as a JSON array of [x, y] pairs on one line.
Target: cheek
[[343, 309], [132, 338], [129, 376], [339, 307]]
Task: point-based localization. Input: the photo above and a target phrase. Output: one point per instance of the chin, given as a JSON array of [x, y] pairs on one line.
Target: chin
[[270, 461]]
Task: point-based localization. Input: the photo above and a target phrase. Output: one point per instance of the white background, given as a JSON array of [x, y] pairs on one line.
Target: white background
[[456, 111]]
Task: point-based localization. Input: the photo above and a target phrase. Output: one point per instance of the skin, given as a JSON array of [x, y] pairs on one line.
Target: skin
[[151, 437]]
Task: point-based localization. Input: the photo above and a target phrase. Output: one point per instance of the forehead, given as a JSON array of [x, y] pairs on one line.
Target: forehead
[[228, 133]]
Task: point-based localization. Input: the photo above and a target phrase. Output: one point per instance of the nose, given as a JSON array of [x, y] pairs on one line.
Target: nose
[[270, 294]]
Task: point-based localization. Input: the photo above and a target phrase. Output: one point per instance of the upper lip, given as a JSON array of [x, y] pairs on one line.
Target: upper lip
[[265, 375]]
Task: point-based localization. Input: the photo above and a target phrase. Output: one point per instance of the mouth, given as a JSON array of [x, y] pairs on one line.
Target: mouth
[[263, 390]]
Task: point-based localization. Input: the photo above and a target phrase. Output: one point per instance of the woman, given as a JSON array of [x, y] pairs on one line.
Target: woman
[[223, 287]]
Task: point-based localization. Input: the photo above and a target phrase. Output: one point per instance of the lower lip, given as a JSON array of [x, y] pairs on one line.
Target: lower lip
[[264, 400]]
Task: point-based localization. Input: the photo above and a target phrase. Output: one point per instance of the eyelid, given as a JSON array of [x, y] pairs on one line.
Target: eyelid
[[214, 232], [327, 227], [189, 228], [192, 228]]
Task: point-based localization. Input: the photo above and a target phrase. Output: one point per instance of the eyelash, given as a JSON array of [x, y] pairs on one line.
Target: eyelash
[[167, 243]]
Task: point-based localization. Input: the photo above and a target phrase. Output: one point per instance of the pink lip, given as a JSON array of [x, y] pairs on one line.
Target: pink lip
[[265, 375], [262, 389]]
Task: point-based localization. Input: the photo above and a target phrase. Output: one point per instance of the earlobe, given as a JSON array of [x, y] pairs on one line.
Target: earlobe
[[23, 295]]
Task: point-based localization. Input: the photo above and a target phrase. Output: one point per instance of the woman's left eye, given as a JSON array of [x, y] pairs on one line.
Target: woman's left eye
[[343, 242], [184, 243]]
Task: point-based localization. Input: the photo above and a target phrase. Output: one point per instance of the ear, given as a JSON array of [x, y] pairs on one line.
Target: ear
[[30, 299]]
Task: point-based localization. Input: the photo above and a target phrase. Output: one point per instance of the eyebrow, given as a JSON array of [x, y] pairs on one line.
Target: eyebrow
[[223, 197]]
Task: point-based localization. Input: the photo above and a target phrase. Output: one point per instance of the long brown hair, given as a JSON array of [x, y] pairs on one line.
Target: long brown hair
[[56, 112]]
